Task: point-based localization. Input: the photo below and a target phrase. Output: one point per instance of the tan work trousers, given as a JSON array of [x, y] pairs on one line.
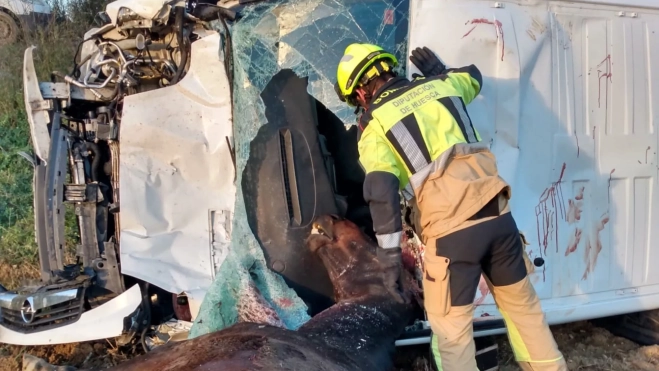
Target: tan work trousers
[[453, 266]]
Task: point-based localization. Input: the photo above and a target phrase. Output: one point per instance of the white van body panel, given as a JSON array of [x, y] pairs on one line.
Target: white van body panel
[[104, 321], [177, 178], [25, 7], [568, 106]]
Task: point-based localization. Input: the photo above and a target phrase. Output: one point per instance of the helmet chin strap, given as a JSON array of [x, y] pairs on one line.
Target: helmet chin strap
[[361, 94]]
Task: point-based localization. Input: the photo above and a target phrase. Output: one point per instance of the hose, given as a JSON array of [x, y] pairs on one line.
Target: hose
[[96, 162], [228, 56], [182, 45], [147, 311]]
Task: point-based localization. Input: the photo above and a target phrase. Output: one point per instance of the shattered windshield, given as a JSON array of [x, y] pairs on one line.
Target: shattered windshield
[[307, 37]]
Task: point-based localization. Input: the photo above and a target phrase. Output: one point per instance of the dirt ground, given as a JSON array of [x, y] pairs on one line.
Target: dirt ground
[[586, 347]]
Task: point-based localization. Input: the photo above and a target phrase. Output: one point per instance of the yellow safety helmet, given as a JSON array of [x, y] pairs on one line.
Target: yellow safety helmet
[[360, 64]]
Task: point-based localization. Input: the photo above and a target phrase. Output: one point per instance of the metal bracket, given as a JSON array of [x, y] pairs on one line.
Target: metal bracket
[[52, 90], [630, 291], [41, 105], [82, 193], [107, 271], [630, 15]]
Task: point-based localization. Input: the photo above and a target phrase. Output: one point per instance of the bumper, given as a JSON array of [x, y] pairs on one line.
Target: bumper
[[106, 321], [35, 20]]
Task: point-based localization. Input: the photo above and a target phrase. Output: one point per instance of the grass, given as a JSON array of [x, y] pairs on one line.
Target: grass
[[56, 45]]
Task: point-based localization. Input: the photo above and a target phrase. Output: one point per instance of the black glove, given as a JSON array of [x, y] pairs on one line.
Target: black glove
[[392, 265], [427, 62]]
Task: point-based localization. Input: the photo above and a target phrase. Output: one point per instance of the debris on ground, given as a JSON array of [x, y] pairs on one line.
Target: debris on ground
[[585, 346]]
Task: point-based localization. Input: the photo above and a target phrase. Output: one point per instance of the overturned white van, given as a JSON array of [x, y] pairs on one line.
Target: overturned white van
[[195, 143]]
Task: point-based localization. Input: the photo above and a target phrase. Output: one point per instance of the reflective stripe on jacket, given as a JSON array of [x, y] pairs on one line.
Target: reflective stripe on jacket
[[411, 131]]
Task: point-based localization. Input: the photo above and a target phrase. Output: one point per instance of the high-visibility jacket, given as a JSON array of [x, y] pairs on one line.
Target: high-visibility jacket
[[414, 130]]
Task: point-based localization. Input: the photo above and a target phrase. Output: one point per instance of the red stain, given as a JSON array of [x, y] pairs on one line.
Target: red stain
[[573, 211], [484, 290], [574, 242], [468, 32], [498, 27], [549, 206], [486, 315], [409, 260], [389, 16], [607, 75], [285, 302], [593, 248], [574, 207]]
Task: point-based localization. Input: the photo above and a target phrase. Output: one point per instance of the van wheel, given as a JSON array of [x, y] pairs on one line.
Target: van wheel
[[8, 29], [639, 327]]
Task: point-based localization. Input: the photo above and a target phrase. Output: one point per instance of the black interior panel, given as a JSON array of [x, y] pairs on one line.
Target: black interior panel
[[285, 186]]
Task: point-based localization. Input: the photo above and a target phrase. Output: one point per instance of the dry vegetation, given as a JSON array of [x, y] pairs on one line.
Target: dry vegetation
[[586, 347], [56, 46]]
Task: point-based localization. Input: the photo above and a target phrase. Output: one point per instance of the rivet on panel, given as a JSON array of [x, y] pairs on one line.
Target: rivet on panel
[[633, 15], [621, 14], [278, 266], [498, 5]]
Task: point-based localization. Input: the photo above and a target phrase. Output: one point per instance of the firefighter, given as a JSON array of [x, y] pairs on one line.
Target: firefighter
[[417, 139]]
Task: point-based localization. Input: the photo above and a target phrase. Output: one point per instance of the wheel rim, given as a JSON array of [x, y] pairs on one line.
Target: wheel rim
[[5, 29]]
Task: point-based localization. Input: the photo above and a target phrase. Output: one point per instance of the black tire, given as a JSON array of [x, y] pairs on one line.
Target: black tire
[[639, 327], [9, 29]]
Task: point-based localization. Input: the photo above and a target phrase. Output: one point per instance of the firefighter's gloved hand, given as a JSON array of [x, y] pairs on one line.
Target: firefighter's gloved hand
[[427, 62], [392, 264]]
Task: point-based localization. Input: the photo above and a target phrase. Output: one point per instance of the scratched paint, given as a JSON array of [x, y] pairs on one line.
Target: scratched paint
[[498, 27], [536, 26], [604, 71], [593, 245], [610, 178], [550, 206], [531, 34]]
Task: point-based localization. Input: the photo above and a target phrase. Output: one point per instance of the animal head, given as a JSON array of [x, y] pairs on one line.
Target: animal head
[[349, 257]]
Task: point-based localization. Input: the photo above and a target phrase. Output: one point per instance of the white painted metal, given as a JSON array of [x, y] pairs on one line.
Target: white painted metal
[[147, 9], [35, 107], [106, 321], [25, 7], [177, 178], [568, 107]]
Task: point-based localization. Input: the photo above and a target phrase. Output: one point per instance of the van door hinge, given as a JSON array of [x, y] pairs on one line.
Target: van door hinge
[[630, 15], [631, 291]]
